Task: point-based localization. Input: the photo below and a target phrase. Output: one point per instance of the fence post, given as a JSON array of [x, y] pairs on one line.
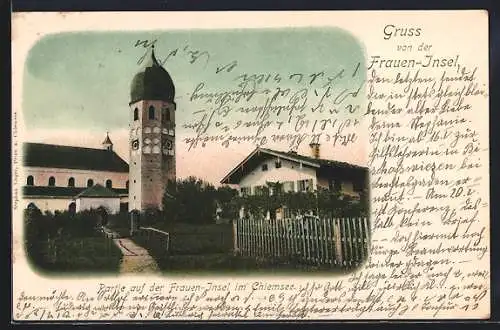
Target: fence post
[[235, 237], [328, 241], [367, 236], [338, 242]]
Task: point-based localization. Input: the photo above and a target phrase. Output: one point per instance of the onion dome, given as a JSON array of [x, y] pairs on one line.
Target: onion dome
[[153, 82]]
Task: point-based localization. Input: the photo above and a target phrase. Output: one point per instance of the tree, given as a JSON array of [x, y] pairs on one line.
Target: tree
[[228, 200], [190, 200]]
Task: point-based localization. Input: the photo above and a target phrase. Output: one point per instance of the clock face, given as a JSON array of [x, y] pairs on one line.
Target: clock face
[[135, 144], [168, 145]]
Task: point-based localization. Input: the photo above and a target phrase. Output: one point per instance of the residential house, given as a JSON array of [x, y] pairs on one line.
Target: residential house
[[297, 173]]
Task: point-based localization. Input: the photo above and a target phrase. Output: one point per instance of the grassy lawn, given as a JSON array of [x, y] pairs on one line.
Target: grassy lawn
[[69, 243], [77, 254], [227, 263]]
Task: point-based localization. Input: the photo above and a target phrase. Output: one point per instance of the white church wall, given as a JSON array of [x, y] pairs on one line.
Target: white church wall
[[41, 177], [111, 204], [49, 204]]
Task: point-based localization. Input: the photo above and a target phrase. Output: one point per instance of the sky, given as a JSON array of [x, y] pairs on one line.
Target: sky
[[76, 86]]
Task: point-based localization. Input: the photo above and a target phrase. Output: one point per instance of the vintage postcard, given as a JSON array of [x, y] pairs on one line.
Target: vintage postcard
[[250, 166]]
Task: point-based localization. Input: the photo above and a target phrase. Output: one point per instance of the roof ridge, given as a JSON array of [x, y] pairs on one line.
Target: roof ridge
[[314, 159], [65, 145], [64, 156]]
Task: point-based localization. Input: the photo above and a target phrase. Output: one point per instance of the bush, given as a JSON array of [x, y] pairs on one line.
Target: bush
[[195, 201], [324, 203], [66, 241]]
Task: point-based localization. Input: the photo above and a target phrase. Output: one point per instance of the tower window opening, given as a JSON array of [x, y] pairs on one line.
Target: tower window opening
[[52, 181], [90, 183], [71, 182], [151, 112], [109, 184], [136, 114], [30, 180]]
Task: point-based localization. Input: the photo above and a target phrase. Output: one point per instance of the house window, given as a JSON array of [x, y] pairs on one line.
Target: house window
[[52, 181], [30, 180], [109, 184], [335, 185], [302, 185], [90, 183], [136, 114], [71, 182], [264, 167], [357, 186], [288, 186], [246, 191], [278, 163], [305, 185], [151, 114], [259, 190]]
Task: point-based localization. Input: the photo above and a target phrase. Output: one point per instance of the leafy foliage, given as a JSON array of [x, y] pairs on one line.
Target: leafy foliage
[[195, 201], [323, 202], [69, 241]]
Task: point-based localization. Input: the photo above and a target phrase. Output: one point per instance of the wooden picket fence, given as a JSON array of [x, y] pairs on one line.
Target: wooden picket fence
[[342, 242]]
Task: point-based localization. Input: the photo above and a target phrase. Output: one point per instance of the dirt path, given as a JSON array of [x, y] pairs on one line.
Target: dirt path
[[135, 258]]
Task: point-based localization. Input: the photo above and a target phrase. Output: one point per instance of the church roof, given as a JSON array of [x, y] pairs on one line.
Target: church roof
[[63, 192], [97, 191], [56, 156], [153, 82]]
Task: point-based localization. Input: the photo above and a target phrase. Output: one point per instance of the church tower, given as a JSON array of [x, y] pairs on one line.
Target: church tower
[[152, 135]]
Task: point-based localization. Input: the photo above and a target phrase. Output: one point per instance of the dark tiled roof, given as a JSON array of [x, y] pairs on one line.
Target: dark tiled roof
[[49, 155], [97, 191], [318, 161], [67, 192], [51, 191]]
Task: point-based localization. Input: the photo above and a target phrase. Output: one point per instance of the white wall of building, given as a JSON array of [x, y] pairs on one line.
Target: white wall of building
[[49, 204], [41, 177], [289, 171], [112, 205]]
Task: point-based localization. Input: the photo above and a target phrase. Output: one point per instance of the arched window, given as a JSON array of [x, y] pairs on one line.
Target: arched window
[[71, 182], [72, 207], [151, 112], [30, 180], [109, 184], [126, 184], [32, 206], [90, 183], [52, 181], [136, 114]]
